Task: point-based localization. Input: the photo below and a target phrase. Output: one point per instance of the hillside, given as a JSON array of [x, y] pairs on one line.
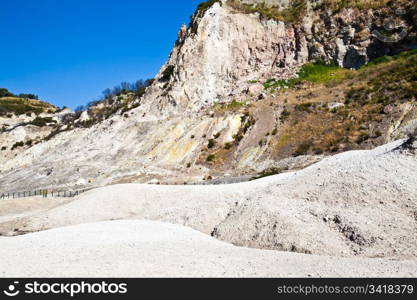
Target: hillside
[[24, 122], [16, 106], [280, 135], [245, 92]]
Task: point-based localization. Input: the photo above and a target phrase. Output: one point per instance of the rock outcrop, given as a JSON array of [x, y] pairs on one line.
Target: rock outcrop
[[226, 47]]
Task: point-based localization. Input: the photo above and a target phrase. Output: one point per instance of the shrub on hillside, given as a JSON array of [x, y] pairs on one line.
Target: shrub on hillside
[[17, 145], [204, 6], [268, 173], [211, 143], [5, 93], [28, 96], [167, 73], [137, 88], [303, 148], [211, 158], [18, 107], [296, 10], [41, 122]]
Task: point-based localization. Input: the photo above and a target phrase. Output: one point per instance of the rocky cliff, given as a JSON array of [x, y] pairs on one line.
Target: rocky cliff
[[250, 88], [236, 42]]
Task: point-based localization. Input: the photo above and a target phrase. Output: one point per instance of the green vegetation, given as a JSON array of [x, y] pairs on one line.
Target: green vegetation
[[398, 83], [41, 122], [20, 106], [373, 98], [262, 143], [234, 105], [319, 72], [363, 136], [248, 121], [379, 60], [17, 106], [167, 73], [211, 158], [211, 144], [204, 6], [5, 93], [337, 5], [386, 59], [111, 96], [228, 146], [305, 107], [294, 13], [284, 116], [297, 9], [303, 148], [17, 145], [268, 173], [312, 72], [122, 99]]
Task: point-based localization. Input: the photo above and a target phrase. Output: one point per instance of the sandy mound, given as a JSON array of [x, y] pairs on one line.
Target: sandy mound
[[16, 208], [153, 249], [361, 203], [357, 203], [200, 207]]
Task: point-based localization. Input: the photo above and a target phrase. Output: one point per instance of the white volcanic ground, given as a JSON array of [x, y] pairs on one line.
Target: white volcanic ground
[[354, 214], [154, 249]]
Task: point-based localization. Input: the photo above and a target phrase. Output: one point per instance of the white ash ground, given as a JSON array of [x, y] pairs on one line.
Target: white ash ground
[[360, 205], [154, 249]]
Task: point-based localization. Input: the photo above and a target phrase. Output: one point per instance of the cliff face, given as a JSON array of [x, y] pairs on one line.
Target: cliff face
[[233, 43], [220, 105], [214, 59]]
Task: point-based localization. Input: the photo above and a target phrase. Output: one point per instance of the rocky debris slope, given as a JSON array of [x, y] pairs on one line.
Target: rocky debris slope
[[360, 203], [163, 250]]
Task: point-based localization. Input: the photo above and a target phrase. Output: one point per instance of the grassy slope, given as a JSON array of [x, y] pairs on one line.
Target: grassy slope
[[298, 8], [373, 99], [369, 101], [19, 106]]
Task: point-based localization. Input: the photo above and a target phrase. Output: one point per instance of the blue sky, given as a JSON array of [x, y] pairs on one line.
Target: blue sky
[[69, 51]]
